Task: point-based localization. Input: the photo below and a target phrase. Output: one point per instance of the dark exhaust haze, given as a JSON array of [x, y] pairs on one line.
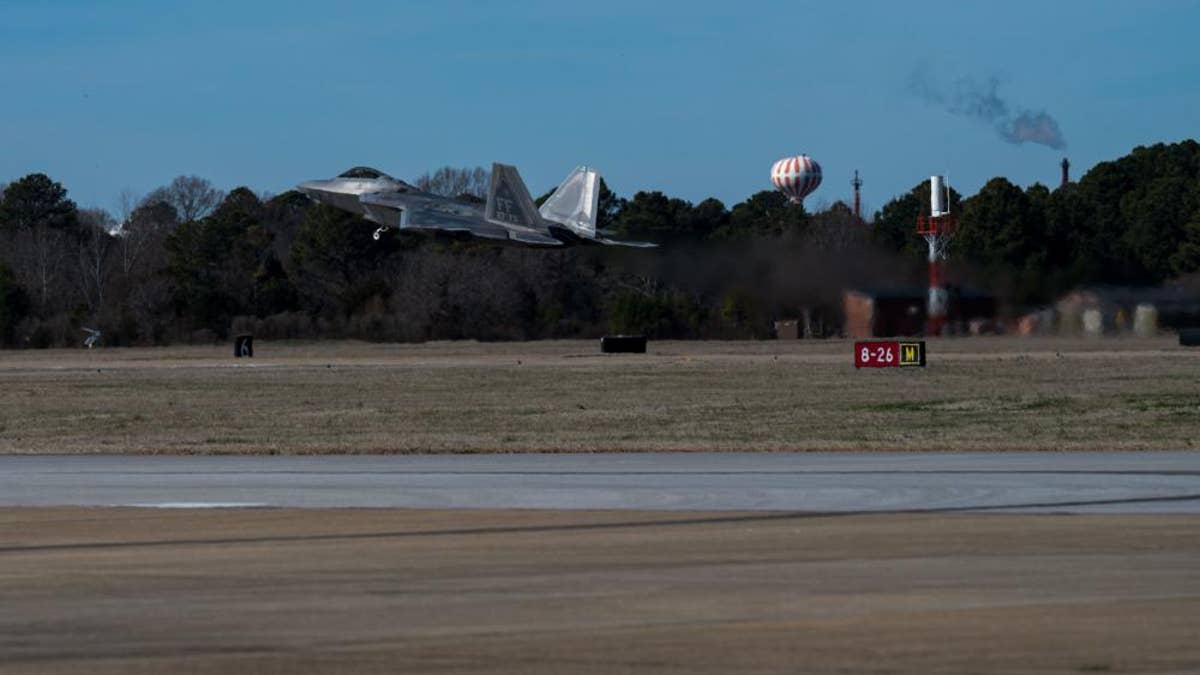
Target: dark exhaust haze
[[783, 274], [981, 101]]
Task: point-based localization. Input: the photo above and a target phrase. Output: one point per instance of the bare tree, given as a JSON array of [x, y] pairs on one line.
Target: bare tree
[[5, 241], [127, 202], [95, 244], [139, 256], [835, 231], [192, 197], [142, 230], [456, 182], [40, 252], [42, 221]]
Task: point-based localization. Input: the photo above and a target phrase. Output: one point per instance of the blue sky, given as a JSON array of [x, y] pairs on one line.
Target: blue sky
[[693, 98]]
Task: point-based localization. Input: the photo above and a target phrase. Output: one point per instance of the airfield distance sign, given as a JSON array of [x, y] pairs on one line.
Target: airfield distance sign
[[889, 354]]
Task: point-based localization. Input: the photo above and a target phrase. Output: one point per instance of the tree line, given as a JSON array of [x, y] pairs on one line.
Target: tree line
[[189, 263], [1133, 221]]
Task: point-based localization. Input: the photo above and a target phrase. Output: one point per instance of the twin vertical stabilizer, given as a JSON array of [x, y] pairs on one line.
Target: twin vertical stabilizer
[[568, 215], [508, 201], [575, 201], [573, 204]]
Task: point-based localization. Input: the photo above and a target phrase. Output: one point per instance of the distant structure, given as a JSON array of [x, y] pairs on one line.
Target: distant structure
[[1125, 310], [857, 183], [895, 311], [1066, 171], [937, 228]]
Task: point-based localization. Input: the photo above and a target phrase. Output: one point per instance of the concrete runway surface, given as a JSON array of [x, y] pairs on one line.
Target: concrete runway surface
[[218, 591], [506, 564], [1077, 482]]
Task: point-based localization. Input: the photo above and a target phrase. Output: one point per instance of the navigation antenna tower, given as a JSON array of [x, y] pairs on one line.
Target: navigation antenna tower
[[937, 229], [857, 183]]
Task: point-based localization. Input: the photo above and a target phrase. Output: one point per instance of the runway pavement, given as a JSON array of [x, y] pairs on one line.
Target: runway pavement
[[1076, 482]]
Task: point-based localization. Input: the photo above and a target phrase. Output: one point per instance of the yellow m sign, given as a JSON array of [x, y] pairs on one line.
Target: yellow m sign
[[912, 354]]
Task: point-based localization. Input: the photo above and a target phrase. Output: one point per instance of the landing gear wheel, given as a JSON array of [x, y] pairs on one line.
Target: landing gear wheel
[[379, 233]]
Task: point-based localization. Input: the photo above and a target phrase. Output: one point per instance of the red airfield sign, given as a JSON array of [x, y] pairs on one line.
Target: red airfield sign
[[889, 354]]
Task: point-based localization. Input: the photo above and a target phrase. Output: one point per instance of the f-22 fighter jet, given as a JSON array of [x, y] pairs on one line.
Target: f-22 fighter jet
[[567, 218]]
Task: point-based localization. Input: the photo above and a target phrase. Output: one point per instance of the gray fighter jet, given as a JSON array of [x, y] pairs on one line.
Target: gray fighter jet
[[567, 218]]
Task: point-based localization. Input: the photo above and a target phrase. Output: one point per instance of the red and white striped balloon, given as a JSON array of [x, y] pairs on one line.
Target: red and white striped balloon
[[796, 177]]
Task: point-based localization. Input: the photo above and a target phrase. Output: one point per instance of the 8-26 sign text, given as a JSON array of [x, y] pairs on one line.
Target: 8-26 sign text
[[889, 354]]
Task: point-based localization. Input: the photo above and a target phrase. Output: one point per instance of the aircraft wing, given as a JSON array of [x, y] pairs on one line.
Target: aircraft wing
[[488, 231], [479, 231], [631, 244], [384, 209], [532, 238]]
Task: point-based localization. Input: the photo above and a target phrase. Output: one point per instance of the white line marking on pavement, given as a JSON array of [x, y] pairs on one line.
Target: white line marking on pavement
[[197, 505]]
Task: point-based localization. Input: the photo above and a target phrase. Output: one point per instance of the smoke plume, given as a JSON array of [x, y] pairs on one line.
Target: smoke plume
[[981, 101]]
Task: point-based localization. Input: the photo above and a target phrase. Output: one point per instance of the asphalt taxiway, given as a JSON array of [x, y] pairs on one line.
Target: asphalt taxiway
[[1074, 482]]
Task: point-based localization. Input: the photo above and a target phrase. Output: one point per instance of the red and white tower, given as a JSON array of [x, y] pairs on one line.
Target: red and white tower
[[937, 228]]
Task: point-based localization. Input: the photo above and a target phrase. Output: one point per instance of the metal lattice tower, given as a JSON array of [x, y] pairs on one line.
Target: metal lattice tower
[[857, 183]]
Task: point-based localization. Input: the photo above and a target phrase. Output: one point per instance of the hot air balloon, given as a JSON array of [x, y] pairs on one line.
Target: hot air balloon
[[796, 177]]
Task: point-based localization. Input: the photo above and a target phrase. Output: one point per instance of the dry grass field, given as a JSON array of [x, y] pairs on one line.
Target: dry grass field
[[100, 591], [341, 397]]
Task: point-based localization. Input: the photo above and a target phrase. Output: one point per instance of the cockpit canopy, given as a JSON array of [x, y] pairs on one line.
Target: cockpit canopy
[[363, 172]]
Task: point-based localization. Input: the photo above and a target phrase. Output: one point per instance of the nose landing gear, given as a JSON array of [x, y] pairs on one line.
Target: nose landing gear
[[379, 233]]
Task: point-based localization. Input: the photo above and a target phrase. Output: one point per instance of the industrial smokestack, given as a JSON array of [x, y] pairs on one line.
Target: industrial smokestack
[[1066, 176]]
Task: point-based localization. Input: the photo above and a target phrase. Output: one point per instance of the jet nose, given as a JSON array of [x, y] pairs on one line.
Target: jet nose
[[333, 193], [312, 188]]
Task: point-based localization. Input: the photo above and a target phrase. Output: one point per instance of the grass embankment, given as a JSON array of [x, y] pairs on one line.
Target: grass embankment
[[976, 394]]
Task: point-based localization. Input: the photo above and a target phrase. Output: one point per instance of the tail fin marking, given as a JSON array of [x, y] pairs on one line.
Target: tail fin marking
[[508, 199]]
